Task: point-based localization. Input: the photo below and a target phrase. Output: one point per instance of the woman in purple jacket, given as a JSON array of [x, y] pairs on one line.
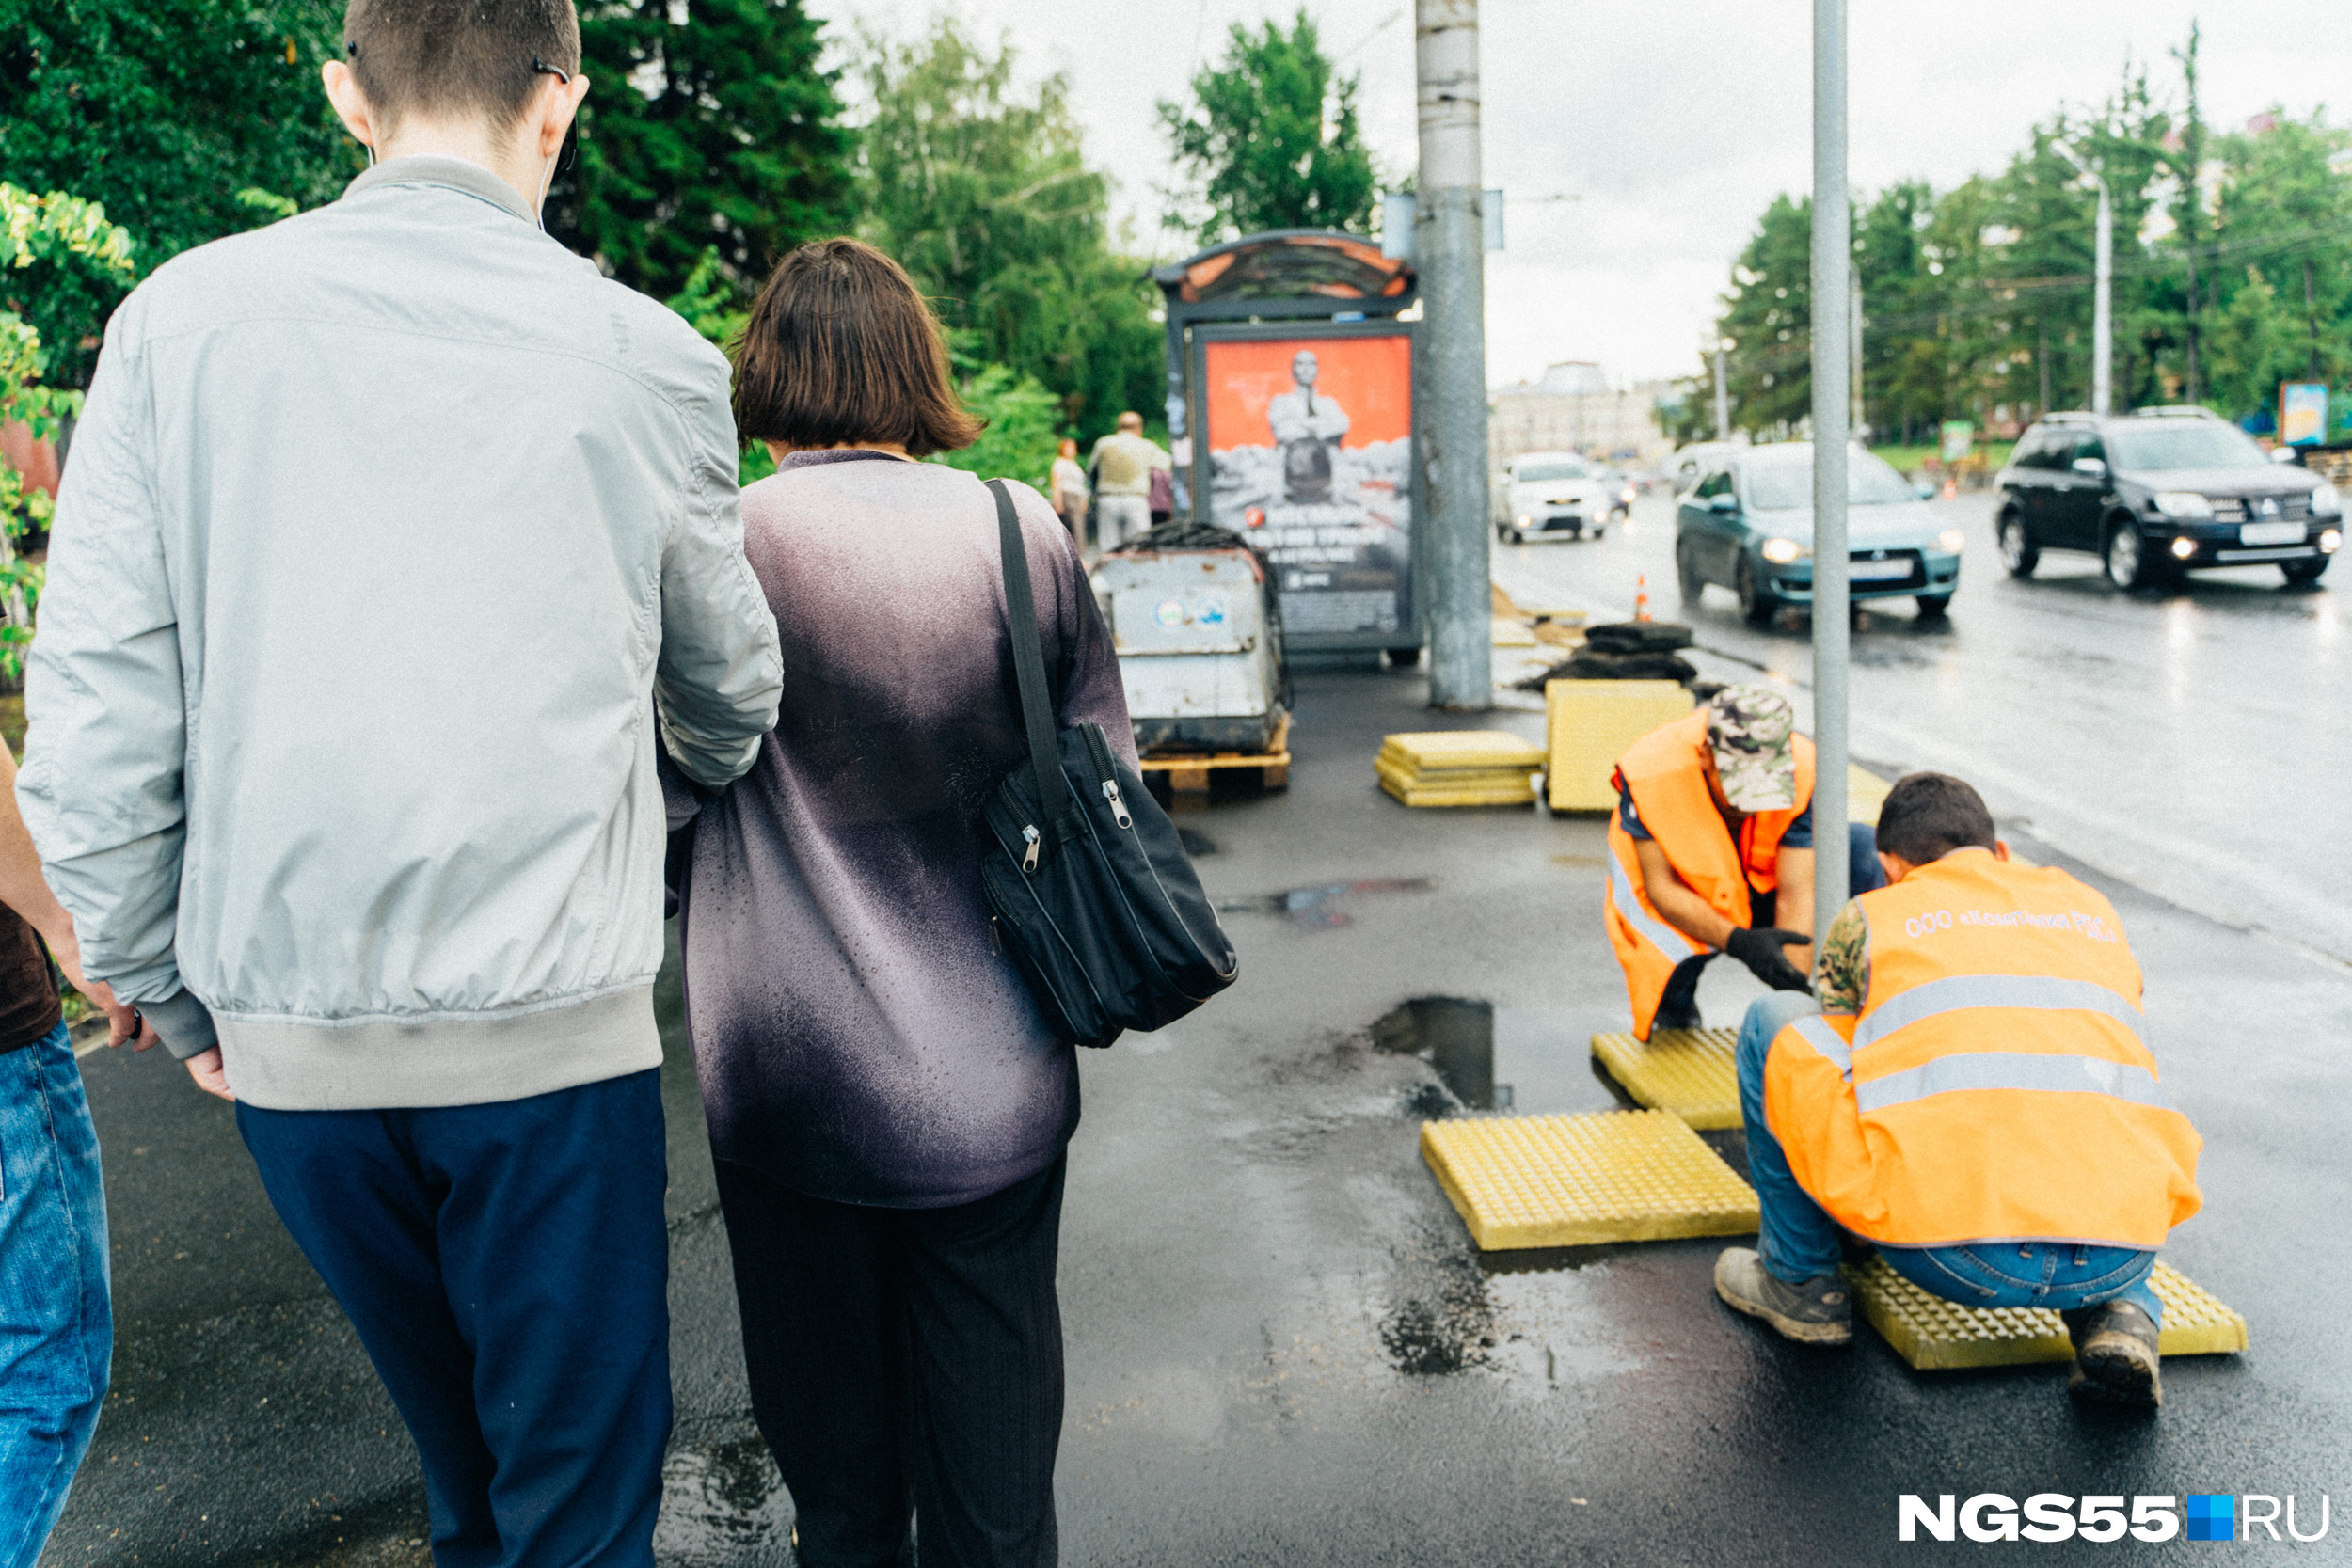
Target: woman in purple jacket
[[888, 1109]]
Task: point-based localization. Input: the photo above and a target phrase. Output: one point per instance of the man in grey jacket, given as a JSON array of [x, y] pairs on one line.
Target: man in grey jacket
[[395, 542]]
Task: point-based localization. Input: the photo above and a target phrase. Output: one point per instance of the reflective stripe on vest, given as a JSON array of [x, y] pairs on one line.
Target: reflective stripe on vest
[[1664, 936], [1815, 1033], [2009, 1069], [1960, 991]]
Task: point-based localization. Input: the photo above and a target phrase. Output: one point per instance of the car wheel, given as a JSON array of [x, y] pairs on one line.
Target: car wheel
[[1756, 602], [2302, 574], [1688, 577], [1933, 607], [2129, 564], [2018, 556]]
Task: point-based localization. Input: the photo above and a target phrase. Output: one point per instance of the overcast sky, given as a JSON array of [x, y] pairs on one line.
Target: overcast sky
[[1672, 124]]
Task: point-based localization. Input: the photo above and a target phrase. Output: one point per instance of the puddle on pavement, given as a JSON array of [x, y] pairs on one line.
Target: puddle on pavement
[[1536, 1061], [724, 1505], [1315, 907]]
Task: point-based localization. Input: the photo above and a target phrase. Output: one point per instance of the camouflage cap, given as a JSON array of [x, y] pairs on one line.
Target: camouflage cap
[[1748, 729]]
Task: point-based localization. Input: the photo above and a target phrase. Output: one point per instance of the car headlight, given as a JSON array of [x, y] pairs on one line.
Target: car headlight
[[1525, 519], [1780, 553], [1950, 541], [2183, 503], [2329, 540], [2324, 499]]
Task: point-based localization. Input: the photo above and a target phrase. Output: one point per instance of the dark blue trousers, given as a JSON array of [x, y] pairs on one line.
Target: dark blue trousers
[[507, 1268]]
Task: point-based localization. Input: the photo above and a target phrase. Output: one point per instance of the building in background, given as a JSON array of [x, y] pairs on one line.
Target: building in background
[[1575, 408]]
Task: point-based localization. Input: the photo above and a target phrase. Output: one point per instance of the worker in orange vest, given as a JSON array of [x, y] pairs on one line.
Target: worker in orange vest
[[1973, 1093], [1711, 851]]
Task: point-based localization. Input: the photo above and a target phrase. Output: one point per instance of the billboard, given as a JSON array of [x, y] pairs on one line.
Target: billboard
[[2302, 413], [1308, 440]]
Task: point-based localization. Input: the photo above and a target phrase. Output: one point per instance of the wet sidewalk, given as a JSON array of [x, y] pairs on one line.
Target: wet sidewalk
[[1282, 1348]]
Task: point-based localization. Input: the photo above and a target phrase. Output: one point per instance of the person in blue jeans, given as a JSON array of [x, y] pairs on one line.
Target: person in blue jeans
[[57, 1324], [1972, 1089]]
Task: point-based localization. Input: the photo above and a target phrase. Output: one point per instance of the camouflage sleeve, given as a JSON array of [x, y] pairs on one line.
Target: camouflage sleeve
[[1844, 969]]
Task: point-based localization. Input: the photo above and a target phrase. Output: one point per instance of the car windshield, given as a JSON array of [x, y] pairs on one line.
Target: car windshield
[[2182, 444], [1788, 486], [1544, 473]]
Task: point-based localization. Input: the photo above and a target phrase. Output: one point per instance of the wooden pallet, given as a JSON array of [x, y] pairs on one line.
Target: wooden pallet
[[1189, 772]]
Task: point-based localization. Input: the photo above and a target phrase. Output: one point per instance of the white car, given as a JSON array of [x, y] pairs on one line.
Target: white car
[[1553, 492]]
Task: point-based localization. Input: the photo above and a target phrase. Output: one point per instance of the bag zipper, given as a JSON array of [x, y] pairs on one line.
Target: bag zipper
[[1118, 807], [1028, 860]]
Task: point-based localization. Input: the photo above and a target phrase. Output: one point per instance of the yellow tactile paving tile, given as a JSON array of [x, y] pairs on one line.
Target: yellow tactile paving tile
[[1576, 1180], [1934, 1334], [1471, 787], [1430, 751], [1689, 1072], [1589, 724], [1865, 793]]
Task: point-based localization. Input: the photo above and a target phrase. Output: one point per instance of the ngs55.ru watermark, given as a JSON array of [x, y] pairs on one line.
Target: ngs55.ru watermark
[[2059, 1516]]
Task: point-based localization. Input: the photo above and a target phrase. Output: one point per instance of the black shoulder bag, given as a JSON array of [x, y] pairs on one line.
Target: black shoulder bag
[[1093, 895]]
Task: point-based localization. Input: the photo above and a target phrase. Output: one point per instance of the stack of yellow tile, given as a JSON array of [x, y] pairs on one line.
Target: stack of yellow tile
[[1460, 768]]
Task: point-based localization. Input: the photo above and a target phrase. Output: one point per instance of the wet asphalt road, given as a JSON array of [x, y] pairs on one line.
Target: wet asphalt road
[[1282, 1348]]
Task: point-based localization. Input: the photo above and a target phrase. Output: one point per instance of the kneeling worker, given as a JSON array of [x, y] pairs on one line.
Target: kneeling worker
[[1711, 851], [1974, 1094]]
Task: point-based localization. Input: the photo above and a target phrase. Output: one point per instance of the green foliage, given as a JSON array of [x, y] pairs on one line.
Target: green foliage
[[715, 309], [53, 246], [63, 268], [162, 111], [983, 194], [2232, 275], [715, 130], [1271, 139], [1024, 426], [273, 206]]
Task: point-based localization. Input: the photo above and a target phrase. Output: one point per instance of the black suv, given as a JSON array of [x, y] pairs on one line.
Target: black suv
[[2159, 492]]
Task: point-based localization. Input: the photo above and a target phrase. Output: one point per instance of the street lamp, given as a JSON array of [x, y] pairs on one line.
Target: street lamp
[[2102, 309]]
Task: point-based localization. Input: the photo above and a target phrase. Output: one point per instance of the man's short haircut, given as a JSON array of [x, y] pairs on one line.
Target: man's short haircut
[[1131, 418], [841, 349], [456, 59], [1927, 815]]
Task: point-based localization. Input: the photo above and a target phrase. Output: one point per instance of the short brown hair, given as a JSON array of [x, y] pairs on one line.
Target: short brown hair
[[1927, 815], [476, 58], [841, 349]]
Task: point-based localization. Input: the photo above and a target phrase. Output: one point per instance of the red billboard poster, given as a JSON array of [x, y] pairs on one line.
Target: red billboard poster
[[1309, 442]]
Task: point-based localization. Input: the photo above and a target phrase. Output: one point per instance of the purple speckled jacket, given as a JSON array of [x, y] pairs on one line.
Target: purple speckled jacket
[[857, 1037]]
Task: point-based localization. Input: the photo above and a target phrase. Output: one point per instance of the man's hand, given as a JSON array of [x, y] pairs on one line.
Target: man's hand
[[1760, 950], [123, 1020], [204, 1067]]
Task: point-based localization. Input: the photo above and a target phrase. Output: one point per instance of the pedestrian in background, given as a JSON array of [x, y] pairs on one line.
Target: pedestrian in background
[[395, 546], [887, 1109], [1069, 483], [1123, 464], [57, 1326]]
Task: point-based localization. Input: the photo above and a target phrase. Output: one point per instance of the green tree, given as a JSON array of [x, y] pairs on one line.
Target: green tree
[[161, 111], [63, 239], [1768, 318], [1271, 139], [983, 192], [711, 124]]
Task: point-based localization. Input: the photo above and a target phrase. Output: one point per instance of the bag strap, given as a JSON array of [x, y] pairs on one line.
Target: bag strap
[[1028, 663]]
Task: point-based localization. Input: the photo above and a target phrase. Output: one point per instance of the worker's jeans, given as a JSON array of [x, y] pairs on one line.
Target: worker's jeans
[[1120, 518], [1797, 1242], [57, 1330]]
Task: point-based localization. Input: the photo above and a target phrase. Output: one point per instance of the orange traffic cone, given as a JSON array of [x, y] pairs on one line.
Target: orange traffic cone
[[1952, 488], [1640, 598]]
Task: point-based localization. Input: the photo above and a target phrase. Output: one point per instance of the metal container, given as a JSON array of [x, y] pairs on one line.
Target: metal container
[[1199, 644]]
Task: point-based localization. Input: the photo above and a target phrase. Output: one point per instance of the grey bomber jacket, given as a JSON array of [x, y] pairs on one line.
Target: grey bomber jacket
[[394, 541]]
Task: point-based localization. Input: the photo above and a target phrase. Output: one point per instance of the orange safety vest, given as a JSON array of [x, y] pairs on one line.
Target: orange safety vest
[[1665, 772], [1996, 1085]]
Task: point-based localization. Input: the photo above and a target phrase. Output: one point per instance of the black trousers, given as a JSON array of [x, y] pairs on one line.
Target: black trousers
[[906, 1361]]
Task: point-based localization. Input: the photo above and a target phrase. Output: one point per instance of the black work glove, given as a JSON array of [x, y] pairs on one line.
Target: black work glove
[[1760, 950]]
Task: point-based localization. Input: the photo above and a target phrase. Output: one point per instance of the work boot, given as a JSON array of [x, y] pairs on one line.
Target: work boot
[[2115, 1356], [1678, 1009], [1818, 1312]]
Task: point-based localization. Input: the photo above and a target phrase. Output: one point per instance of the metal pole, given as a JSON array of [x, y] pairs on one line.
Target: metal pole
[[1450, 240], [1833, 262], [1723, 399], [2102, 307]]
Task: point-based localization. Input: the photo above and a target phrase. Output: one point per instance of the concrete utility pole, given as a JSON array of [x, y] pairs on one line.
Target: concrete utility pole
[[2102, 286], [1833, 266], [1450, 240], [1723, 399]]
